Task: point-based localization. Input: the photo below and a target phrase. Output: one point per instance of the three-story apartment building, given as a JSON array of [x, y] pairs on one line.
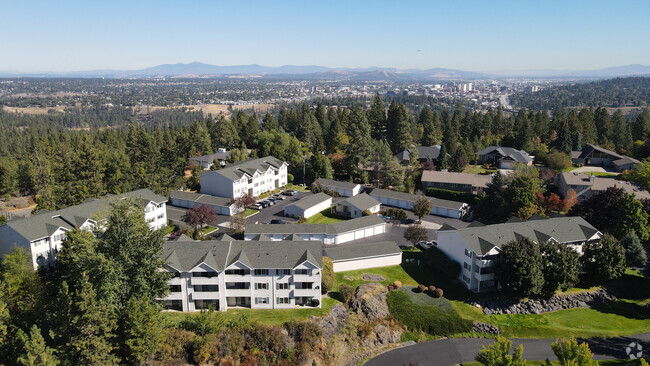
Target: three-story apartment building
[[248, 274], [255, 177], [43, 233]]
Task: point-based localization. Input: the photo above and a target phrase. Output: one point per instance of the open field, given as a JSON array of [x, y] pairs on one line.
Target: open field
[[207, 109], [33, 110]]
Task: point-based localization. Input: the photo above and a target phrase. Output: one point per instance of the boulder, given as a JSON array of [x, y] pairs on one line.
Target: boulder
[[370, 301], [333, 322], [373, 277], [480, 327]]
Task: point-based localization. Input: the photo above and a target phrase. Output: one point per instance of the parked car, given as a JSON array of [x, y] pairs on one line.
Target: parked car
[[289, 193], [271, 203], [278, 196], [264, 204], [256, 206], [424, 245], [273, 200], [279, 221]]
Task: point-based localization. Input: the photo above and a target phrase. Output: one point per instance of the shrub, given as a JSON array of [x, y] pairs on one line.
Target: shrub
[[421, 288], [437, 293], [432, 288], [346, 292], [395, 213], [289, 177], [177, 345], [366, 213], [431, 319], [447, 194], [390, 288], [327, 277], [397, 284]]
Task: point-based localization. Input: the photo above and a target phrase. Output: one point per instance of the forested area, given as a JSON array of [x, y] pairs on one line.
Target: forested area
[[619, 92]]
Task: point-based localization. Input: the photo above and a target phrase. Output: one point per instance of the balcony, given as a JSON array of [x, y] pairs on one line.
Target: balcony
[[204, 281], [238, 278], [175, 281], [204, 296], [306, 278], [238, 292], [174, 296]]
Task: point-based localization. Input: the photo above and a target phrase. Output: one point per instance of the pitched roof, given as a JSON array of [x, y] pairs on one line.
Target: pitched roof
[[249, 167], [361, 201], [204, 199], [363, 250], [210, 158], [563, 229], [327, 229], [336, 183], [475, 180], [184, 256], [598, 184], [519, 156], [310, 201], [436, 202], [424, 153], [625, 160], [589, 148]]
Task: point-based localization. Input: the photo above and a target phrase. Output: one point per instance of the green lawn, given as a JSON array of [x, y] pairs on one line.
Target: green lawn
[[296, 187], [324, 217], [478, 169], [208, 229], [263, 316]]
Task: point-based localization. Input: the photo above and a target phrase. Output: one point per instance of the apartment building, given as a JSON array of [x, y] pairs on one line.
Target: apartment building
[[243, 274], [43, 233], [460, 182], [477, 248], [254, 176]]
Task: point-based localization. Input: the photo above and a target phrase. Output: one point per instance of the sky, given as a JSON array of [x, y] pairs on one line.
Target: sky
[[59, 36]]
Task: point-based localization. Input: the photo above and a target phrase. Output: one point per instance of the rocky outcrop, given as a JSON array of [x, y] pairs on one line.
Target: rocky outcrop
[[381, 336], [480, 327], [540, 306], [369, 301], [373, 277], [333, 322]]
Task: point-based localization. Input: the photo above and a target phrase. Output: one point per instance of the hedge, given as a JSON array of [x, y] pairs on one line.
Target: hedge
[[431, 319], [447, 194]]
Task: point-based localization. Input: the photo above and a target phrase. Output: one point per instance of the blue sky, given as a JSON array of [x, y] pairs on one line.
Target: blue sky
[[466, 35]]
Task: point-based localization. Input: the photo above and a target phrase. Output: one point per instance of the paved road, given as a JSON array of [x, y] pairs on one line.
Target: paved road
[[454, 351]]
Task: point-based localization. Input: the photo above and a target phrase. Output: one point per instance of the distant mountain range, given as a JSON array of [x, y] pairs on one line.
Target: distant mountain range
[[198, 69]]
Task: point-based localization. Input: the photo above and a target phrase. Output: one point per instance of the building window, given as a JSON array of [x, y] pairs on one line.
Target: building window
[[261, 300], [204, 274], [206, 304], [465, 278], [302, 271], [304, 285], [283, 286], [206, 288], [284, 272], [261, 286], [468, 253], [175, 288], [261, 272], [282, 300], [467, 266], [173, 305], [238, 285], [240, 272]]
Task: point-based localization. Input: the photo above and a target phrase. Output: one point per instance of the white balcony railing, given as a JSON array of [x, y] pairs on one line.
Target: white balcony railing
[[174, 296], [204, 281], [204, 296]]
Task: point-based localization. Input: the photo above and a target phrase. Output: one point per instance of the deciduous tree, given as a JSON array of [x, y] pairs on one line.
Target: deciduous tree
[[498, 354], [520, 269], [603, 260]]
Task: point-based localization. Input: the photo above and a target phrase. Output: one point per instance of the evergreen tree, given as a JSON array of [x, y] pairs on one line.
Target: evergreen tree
[[377, 118], [35, 351], [430, 122], [577, 142], [269, 123], [604, 126], [359, 151], [634, 252], [322, 117], [142, 330], [641, 125], [622, 136], [589, 130]]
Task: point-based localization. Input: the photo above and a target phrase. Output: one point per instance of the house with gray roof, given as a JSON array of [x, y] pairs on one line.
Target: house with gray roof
[[42, 234], [253, 176], [356, 256], [597, 156], [222, 205], [586, 185], [308, 206], [404, 200], [477, 248], [345, 189], [230, 273], [206, 161], [355, 206], [336, 233], [504, 157], [424, 153]]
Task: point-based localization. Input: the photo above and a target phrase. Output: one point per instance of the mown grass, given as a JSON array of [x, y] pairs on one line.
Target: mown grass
[[208, 229], [478, 169], [324, 217], [262, 316]]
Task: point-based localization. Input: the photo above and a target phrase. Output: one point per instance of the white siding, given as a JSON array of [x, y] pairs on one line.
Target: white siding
[[364, 263]]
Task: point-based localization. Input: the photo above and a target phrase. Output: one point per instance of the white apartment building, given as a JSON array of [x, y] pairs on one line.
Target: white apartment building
[[43, 233], [252, 176], [477, 248], [228, 273]]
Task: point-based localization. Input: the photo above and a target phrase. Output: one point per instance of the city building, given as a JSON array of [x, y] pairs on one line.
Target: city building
[[206, 161], [345, 189], [355, 206], [461, 182], [597, 156], [254, 176], [336, 233], [439, 207], [223, 206], [42, 234], [586, 185], [308, 206], [355, 256], [243, 274], [504, 157], [477, 248]]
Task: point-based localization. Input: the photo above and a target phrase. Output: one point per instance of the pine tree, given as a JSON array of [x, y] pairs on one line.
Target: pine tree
[[35, 352], [269, 123], [604, 126], [589, 131], [577, 142], [430, 122], [142, 330], [641, 125], [377, 118], [622, 135]]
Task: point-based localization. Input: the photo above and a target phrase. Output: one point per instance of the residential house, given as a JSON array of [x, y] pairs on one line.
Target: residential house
[[42, 234], [439, 207], [345, 189], [504, 157], [460, 182], [477, 248], [254, 176], [586, 185], [597, 156], [206, 161], [357, 256], [336, 233], [425, 153], [355, 206], [243, 274], [308, 206], [222, 205]]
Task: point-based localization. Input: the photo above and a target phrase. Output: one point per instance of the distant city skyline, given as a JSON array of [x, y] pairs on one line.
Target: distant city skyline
[[494, 36]]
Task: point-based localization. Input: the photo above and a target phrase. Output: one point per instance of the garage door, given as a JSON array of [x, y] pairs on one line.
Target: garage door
[[354, 264], [345, 238]]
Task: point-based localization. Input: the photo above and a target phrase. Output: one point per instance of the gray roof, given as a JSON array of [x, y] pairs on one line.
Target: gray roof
[[589, 148], [361, 201], [310, 201], [210, 158], [335, 183], [424, 153], [436, 202], [475, 180], [353, 251], [237, 170], [205, 199], [328, 229], [562, 229], [519, 156], [625, 160], [185, 255], [45, 223]]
